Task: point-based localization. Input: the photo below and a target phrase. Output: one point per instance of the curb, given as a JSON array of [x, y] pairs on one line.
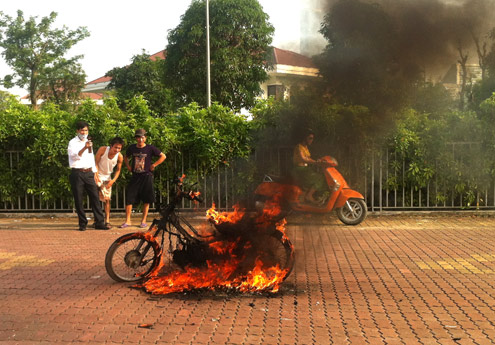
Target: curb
[[201, 214]]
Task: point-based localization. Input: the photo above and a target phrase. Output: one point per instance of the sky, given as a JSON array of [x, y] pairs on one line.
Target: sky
[[121, 29]]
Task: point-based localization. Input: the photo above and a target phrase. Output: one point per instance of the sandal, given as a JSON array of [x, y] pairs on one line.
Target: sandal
[[143, 225], [124, 225]]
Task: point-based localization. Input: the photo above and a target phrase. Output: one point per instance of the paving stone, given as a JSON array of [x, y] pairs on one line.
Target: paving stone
[[421, 279]]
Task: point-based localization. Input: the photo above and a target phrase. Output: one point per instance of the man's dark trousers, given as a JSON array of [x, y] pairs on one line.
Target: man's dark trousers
[[81, 181]]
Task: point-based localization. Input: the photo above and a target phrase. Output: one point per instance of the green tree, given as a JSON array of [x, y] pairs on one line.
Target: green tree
[[431, 98], [211, 136], [483, 90], [196, 141], [240, 37], [142, 77], [35, 52], [490, 57], [62, 82]]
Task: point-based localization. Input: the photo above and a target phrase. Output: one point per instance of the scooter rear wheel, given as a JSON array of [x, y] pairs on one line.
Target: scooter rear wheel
[[353, 212]]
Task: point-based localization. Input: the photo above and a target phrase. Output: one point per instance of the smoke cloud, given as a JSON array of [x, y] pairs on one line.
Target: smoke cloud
[[430, 31], [433, 30]]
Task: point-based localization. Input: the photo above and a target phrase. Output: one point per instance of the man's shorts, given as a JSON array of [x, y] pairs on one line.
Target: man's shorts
[[140, 188], [105, 191]]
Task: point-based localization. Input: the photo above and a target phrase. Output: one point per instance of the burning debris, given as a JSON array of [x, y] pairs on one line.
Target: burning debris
[[146, 325], [245, 254], [239, 253]]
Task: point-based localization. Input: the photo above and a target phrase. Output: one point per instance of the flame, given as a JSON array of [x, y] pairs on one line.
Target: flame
[[193, 194], [271, 210], [223, 247], [280, 226], [237, 263], [225, 217], [217, 276], [193, 278], [263, 279], [149, 236]]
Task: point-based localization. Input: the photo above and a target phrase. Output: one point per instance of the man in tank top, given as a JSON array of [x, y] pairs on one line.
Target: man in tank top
[[106, 159]]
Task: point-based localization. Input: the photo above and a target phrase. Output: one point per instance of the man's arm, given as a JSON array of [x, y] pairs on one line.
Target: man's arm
[[126, 161], [160, 160], [98, 156], [117, 172], [73, 152], [99, 153]]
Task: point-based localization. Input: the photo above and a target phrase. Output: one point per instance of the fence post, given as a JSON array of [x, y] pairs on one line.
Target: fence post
[[372, 181]]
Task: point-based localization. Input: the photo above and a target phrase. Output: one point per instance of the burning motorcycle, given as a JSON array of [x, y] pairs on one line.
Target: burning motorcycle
[[349, 204], [241, 253]]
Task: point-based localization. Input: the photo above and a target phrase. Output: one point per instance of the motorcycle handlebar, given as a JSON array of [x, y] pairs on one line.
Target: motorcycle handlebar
[[192, 196], [188, 195]]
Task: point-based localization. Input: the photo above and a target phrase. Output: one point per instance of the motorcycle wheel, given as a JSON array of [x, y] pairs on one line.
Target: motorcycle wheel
[[132, 257], [353, 212], [277, 249]]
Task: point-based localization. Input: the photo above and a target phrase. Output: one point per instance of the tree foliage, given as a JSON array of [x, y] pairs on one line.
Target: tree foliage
[[240, 36], [211, 135], [62, 83], [35, 51], [142, 77], [447, 150], [483, 89], [202, 139]]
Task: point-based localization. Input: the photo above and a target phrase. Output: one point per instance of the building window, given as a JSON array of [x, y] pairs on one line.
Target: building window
[[277, 91]]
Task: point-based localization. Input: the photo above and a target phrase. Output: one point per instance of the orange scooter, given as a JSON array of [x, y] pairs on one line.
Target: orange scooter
[[349, 204]]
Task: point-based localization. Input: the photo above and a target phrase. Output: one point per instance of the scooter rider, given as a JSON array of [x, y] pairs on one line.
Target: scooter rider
[[303, 171]]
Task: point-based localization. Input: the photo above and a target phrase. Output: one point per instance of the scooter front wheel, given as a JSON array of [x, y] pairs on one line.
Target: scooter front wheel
[[353, 212]]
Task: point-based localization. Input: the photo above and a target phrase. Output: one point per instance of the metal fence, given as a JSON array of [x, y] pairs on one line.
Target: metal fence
[[434, 196], [230, 184], [217, 187]]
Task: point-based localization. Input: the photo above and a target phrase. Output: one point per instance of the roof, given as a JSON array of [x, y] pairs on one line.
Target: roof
[[92, 95], [100, 80], [287, 57], [160, 55]]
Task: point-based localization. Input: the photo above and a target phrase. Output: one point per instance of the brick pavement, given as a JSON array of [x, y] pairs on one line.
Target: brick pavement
[[392, 280]]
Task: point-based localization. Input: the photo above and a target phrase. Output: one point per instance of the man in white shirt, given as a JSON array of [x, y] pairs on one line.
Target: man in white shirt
[[82, 178]]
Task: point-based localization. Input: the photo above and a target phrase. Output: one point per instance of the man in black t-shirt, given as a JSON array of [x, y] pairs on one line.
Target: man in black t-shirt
[[140, 187]]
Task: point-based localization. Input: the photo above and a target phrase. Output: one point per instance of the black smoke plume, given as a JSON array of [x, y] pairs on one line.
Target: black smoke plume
[[431, 31]]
